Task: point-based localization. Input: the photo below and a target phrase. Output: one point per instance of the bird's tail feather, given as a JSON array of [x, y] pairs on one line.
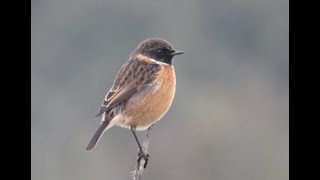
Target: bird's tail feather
[[97, 135]]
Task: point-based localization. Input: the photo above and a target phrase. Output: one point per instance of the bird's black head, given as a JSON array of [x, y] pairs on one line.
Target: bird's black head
[[157, 49]]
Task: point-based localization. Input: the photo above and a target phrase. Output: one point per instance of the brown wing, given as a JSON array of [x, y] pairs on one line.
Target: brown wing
[[132, 76]]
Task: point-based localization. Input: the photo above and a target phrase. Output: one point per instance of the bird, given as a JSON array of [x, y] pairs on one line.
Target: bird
[[142, 91]]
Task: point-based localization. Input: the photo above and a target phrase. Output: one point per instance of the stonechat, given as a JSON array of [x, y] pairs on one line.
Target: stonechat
[[142, 91]]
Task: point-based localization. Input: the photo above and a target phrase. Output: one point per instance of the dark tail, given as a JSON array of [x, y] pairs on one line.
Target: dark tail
[[97, 135]]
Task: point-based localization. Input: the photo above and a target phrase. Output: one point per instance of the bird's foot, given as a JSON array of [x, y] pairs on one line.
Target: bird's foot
[[145, 157]]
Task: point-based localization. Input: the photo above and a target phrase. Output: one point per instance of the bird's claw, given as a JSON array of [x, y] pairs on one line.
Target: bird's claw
[[145, 157]]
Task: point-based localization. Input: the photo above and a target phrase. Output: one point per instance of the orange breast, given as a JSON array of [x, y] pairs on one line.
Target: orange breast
[[147, 108]]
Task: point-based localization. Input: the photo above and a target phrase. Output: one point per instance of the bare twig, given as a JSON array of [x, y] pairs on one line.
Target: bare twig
[[137, 173]]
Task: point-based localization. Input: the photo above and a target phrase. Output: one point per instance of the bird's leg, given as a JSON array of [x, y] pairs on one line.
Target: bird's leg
[[141, 152]]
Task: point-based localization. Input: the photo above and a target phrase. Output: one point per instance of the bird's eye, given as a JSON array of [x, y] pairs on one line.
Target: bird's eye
[[159, 51]]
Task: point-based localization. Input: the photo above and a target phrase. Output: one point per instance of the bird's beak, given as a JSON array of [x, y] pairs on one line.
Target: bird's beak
[[176, 52]]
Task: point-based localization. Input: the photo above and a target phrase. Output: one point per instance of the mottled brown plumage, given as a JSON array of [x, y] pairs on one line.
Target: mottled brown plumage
[[142, 91]]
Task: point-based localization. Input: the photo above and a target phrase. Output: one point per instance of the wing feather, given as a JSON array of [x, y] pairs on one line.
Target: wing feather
[[131, 78]]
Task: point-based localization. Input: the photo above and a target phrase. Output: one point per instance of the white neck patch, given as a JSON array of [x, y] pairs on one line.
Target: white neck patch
[[158, 62]]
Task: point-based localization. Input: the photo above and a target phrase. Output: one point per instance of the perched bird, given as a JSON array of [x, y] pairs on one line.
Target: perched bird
[[142, 91]]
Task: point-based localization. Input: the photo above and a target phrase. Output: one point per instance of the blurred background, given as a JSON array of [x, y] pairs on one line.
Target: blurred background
[[229, 119]]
